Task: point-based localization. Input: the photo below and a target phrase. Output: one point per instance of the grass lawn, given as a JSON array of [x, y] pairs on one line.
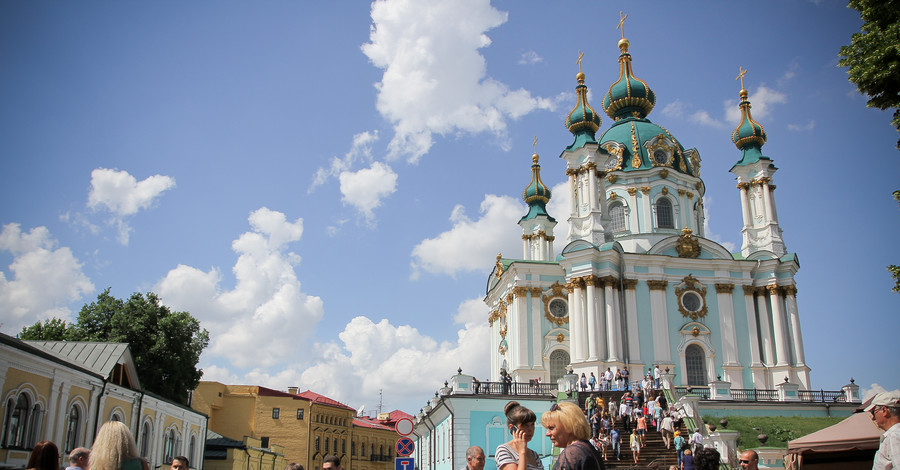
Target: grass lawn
[[780, 429]]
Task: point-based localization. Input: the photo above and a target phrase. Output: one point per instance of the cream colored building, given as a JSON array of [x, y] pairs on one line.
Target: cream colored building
[[63, 391], [306, 425]]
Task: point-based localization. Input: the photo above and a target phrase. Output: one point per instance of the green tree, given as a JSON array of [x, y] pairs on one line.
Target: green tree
[[894, 269], [873, 56], [166, 345], [52, 329]]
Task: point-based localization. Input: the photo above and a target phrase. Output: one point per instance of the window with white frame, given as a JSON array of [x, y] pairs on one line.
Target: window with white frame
[[73, 424], [665, 215], [617, 216]]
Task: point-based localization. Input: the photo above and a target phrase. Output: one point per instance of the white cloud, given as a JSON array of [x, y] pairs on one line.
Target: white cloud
[[468, 243], [122, 195], [803, 128], [366, 188], [558, 208], [868, 392], [703, 117], [361, 148], [678, 109], [530, 57], [266, 298], [675, 109], [435, 80], [789, 73], [761, 103], [45, 278]]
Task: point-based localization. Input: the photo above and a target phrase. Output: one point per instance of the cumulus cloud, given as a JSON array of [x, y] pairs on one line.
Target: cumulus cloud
[[45, 278], [675, 109], [435, 80], [761, 101], [868, 392], [530, 57], [679, 109], [360, 149], [366, 189], [468, 243], [266, 297], [803, 128], [704, 118], [123, 195], [730, 246]]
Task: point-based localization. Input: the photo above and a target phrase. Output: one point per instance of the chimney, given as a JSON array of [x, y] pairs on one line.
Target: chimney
[[293, 390]]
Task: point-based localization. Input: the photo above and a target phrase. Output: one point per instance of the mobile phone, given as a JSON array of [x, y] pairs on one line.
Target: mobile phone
[[514, 429]]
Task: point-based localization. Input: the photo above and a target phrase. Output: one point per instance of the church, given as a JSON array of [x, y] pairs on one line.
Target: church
[[637, 284]]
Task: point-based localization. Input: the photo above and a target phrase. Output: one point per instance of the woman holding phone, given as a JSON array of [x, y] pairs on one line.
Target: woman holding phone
[[515, 454]]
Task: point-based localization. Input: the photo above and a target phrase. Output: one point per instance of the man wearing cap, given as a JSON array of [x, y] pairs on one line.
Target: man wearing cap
[[884, 409]]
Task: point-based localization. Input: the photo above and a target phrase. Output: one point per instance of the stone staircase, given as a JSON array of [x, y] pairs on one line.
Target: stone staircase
[[653, 455]]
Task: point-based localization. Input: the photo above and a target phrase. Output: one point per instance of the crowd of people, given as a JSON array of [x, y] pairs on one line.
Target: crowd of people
[[113, 449]]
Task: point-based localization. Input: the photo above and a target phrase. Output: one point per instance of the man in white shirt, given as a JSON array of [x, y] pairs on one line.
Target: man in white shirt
[[884, 409]]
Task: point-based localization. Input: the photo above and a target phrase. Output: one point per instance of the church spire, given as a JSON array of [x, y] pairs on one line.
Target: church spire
[[629, 96], [537, 225], [583, 122], [749, 136]]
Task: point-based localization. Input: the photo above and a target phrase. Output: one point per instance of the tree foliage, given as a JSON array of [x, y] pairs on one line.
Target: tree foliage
[[873, 56], [166, 345]]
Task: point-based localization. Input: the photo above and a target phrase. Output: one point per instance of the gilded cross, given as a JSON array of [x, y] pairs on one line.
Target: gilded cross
[[621, 25], [580, 55], [741, 76], [535, 144]]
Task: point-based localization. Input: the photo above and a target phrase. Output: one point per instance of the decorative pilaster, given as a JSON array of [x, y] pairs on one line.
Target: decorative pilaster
[[613, 331], [593, 332], [779, 325], [726, 322], [790, 294], [658, 310], [764, 328]]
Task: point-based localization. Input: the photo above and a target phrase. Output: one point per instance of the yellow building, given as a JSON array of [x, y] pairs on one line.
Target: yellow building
[[307, 425], [63, 391], [223, 453]]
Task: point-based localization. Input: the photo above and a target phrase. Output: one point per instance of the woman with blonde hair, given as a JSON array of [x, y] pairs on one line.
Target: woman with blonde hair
[[515, 454], [568, 429], [114, 449]]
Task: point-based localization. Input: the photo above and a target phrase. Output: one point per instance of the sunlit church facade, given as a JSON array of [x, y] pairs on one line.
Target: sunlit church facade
[[637, 284]]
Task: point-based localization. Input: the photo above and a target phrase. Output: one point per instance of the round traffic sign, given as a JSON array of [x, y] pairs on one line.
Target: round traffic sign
[[404, 426], [405, 446]]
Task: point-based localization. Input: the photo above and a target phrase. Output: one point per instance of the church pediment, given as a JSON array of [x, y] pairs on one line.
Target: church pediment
[[707, 248]]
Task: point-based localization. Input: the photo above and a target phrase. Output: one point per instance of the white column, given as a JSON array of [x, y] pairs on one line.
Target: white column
[[600, 309], [794, 316], [520, 317], [682, 203], [782, 353], [537, 312], [765, 331], [576, 325], [632, 211], [62, 417], [592, 184], [613, 332], [770, 212], [592, 330], [647, 223], [52, 416], [745, 205], [526, 247], [549, 247], [633, 342], [726, 322], [771, 189], [755, 360], [660, 324], [573, 203]]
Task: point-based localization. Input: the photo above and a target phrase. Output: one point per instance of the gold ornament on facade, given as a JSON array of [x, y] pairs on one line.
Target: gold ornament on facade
[[612, 179], [789, 290], [681, 192], [536, 291], [635, 151], [686, 291], [631, 191], [771, 187], [772, 288], [613, 196], [502, 350], [665, 190], [724, 288], [520, 291], [745, 186], [664, 174], [503, 331], [687, 245], [695, 332], [560, 338], [645, 189], [690, 195], [749, 290], [499, 266], [630, 283], [657, 284]]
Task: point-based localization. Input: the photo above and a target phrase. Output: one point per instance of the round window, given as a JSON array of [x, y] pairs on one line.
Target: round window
[[661, 156], [558, 308], [691, 301]]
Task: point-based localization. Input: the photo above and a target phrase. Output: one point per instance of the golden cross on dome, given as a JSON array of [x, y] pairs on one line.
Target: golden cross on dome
[[580, 55], [535, 144], [621, 25], [741, 76]]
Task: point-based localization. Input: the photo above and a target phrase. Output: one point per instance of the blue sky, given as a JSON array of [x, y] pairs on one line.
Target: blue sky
[[325, 185]]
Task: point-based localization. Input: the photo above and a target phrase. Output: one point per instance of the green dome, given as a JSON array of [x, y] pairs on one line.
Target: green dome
[[583, 122], [629, 96], [749, 136], [644, 145], [536, 194]]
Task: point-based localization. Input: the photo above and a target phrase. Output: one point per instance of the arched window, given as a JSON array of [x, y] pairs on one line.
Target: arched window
[[559, 359], [72, 426], [695, 363], [16, 420], [35, 423], [192, 448], [317, 443], [146, 434], [617, 216], [665, 216], [327, 448], [169, 446]]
